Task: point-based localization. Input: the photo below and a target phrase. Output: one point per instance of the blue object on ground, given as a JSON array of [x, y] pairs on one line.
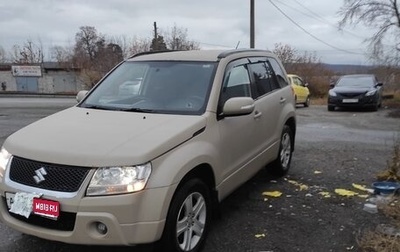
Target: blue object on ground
[[385, 187]]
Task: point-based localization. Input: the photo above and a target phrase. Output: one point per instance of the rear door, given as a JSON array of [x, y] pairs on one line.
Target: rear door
[[269, 103]]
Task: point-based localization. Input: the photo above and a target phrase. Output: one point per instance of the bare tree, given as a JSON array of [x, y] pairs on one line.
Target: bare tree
[[61, 54], [123, 42], [139, 45], [381, 15], [3, 58], [86, 41], [29, 53], [177, 39], [94, 54], [286, 53], [307, 65]]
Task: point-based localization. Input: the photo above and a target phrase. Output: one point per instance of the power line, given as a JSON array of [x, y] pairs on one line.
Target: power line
[[321, 19], [310, 34]]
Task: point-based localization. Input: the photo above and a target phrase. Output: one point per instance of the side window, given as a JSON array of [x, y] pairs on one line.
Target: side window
[[280, 73], [236, 83], [263, 78]]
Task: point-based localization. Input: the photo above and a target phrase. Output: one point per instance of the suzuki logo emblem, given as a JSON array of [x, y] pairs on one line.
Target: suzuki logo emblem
[[40, 173]]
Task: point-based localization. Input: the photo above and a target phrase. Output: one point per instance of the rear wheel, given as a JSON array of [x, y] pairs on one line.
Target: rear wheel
[[188, 218], [281, 164]]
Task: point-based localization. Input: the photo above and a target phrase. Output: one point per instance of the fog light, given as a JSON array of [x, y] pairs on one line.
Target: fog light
[[101, 228]]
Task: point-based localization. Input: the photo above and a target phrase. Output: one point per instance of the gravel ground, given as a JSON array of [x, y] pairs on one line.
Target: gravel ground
[[333, 150]]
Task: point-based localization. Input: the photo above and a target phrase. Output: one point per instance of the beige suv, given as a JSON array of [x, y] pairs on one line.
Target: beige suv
[[151, 163]]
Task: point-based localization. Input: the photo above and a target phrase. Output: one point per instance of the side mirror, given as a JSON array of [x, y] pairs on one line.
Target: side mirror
[[306, 84], [238, 106], [81, 94], [380, 84], [331, 85]]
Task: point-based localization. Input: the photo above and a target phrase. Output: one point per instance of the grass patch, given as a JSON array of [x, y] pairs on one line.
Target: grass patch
[[392, 172], [373, 241]]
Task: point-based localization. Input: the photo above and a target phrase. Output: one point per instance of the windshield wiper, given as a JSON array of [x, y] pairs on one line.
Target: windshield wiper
[[141, 110], [97, 107]]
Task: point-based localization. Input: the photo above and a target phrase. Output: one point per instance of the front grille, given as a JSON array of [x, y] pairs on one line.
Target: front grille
[[61, 178], [351, 95], [65, 222]]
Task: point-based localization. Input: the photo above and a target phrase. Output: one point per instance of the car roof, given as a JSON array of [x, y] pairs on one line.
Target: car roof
[[197, 55]]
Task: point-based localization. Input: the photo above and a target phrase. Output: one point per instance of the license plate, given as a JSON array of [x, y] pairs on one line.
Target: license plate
[[46, 208], [350, 100], [31, 203]]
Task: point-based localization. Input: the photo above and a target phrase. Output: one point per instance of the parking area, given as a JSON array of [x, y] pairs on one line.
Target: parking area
[[300, 212]]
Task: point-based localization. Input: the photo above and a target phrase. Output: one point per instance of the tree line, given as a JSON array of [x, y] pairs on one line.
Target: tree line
[[95, 53]]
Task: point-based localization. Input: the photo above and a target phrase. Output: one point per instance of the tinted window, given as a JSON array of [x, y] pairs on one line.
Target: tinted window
[[263, 78], [280, 73]]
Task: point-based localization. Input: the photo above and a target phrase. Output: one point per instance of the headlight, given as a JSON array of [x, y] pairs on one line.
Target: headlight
[[372, 92], [117, 180], [332, 93], [4, 159]]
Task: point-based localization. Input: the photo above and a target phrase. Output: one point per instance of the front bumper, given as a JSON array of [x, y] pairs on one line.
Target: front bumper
[[360, 102], [130, 218]]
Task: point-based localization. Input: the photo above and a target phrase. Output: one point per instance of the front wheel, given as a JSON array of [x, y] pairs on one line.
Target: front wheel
[[188, 218], [281, 164], [307, 103]]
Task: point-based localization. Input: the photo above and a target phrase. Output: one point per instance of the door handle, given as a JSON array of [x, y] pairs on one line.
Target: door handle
[[282, 100], [257, 114]]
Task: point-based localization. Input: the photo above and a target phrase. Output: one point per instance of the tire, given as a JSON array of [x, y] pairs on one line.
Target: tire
[[188, 218], [280, 166], [307, 103], [331, 108]]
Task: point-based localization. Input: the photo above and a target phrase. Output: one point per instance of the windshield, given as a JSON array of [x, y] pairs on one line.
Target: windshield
[[363, 81], [179, 87]]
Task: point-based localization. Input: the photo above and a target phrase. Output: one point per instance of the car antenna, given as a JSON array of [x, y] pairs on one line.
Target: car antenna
[[237, 45]]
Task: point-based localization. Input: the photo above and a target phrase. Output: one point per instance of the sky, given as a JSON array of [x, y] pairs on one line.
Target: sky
[[305, 25]]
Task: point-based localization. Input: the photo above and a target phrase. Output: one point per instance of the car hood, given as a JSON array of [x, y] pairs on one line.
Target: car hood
[[94, 138], [352, 89]]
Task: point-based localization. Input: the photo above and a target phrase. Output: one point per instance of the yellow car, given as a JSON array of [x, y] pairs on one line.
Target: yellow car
[[300, 89]]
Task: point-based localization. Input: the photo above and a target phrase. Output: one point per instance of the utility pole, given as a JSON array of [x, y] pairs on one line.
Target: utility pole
[[252, 24], [155, 37]]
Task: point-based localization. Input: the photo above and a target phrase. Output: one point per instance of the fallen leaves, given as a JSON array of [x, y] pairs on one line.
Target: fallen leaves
[[325, 194], [300, 185], [274, 194], [346, 193], [260, 236]]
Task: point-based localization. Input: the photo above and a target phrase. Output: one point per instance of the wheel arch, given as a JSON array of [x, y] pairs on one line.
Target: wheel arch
[[205, 173], [291, 123]]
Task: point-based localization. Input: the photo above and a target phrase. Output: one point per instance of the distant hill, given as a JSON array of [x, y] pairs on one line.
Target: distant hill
[[341, 69]]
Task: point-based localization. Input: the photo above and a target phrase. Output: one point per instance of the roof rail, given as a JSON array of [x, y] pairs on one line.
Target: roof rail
[[151, 52], [231, 52]]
